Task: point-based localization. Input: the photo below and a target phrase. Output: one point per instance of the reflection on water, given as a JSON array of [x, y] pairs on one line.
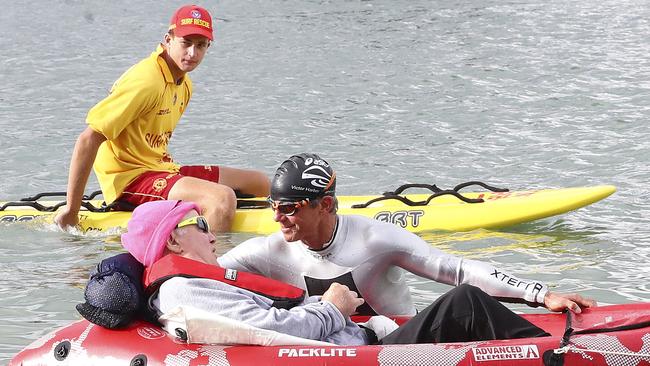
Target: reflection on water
[[477, 242]]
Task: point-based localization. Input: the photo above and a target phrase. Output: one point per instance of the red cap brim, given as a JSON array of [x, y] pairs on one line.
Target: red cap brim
[[188, 31]]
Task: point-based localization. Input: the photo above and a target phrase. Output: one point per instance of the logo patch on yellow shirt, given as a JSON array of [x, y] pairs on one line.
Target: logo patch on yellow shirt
[[159, 184], [158, 140]]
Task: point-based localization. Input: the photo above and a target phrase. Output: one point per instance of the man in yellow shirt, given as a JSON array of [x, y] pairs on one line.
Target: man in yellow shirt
[[128, 133]]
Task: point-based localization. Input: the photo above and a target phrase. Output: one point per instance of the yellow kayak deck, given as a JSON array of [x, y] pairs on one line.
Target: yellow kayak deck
[[444, 212]]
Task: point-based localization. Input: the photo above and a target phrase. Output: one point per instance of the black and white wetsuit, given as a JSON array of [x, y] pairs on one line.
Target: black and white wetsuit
[[370, 257]]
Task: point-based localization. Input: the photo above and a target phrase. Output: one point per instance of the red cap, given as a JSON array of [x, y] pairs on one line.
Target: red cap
[[191, 19]]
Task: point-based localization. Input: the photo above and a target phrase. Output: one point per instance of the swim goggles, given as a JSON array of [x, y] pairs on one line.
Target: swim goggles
[[288, 208]]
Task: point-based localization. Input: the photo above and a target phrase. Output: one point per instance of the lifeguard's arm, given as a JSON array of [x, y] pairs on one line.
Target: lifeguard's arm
[[83, 157]]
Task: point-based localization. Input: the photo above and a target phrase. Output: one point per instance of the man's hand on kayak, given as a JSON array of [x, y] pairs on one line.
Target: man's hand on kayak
[[558, 302], [66, 218]]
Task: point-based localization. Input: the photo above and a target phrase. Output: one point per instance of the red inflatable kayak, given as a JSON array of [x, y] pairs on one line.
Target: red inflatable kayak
[[606, 335]]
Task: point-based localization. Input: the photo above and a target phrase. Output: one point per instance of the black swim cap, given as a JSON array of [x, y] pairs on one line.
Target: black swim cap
[[303, 176]]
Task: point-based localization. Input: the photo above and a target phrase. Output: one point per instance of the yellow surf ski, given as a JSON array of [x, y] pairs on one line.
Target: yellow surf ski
[[442, 210]]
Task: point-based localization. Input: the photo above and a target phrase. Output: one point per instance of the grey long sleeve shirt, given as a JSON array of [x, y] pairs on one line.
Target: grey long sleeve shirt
[[313, 319]]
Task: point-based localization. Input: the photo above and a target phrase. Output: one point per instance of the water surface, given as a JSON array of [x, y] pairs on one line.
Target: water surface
[[521, 94]]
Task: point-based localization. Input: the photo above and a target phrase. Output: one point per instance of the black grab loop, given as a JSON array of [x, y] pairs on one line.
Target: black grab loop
[[435, 189], [92, 195], [59, 194], [62, 350], [103, 208], [437, 192], [479, 183], [432, 187], [42, 208], [412, 203], [32, 202], [35, 205]]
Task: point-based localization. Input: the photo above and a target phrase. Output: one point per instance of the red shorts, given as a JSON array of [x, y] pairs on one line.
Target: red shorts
[[155, 186]]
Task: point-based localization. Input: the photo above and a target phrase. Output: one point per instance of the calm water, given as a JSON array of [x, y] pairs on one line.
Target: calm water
[[522, 94]]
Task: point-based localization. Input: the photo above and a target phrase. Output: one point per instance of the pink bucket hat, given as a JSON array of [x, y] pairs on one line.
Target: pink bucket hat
[[151, 225]]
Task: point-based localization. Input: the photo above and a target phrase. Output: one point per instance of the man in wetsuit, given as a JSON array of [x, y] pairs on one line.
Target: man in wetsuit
[[316, 247], [128, 133]]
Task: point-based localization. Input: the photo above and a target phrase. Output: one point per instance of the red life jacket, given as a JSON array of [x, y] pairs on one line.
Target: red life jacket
[[284, 296]]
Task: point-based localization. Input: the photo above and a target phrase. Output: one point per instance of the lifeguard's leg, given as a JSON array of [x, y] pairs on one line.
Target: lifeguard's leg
[[217, 201], [247, 181]]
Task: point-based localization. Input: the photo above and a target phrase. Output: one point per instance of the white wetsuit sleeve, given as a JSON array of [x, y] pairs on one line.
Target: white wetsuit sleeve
[[500, 283], [246, 256], [417, 256]]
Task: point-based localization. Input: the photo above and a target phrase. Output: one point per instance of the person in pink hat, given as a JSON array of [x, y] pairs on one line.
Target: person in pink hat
[[177, 249], [128, 132], [155, 229]]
